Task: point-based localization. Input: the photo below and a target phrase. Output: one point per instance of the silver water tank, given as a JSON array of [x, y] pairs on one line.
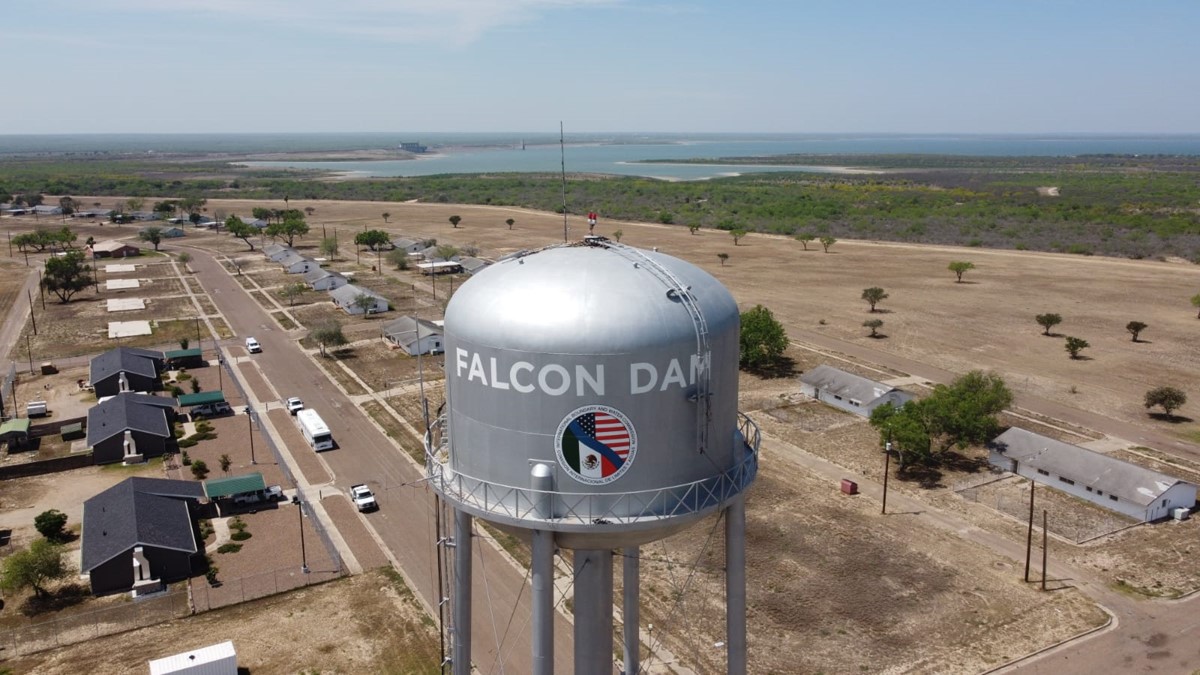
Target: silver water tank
[[592, 391]]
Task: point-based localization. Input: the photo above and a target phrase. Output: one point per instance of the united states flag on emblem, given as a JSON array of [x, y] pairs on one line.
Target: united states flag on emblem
[[596, 445]]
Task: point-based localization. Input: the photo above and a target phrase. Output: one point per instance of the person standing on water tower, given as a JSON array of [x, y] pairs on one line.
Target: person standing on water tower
[[591, 222]]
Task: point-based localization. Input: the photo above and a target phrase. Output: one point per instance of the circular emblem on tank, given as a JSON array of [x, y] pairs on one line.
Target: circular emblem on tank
[[595, 444]]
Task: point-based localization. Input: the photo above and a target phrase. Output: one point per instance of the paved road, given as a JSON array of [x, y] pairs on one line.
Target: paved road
[[405, 520]]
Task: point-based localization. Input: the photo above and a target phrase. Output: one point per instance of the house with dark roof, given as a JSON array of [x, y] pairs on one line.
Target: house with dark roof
[[414, 336], [141, 533], [131, 427], [472, 265], [1106, 481], [346, 297], [113, 248], [850, 392], [324, 280], [126, 369]]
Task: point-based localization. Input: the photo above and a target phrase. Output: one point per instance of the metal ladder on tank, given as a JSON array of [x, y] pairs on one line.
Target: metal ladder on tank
[[676, 289]]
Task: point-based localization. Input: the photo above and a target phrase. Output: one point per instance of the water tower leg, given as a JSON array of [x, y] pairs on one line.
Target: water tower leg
[[462, 593], [543, 603], [630, 612], [593, 612], [735, 585]]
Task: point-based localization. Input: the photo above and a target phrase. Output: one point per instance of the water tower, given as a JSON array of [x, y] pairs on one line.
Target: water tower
[[591, 403]]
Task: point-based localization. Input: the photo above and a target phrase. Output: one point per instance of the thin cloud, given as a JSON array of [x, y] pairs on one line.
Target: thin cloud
[[453, 21]]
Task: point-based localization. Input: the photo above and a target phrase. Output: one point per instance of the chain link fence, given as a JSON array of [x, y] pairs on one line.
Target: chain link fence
[[1069, 517]]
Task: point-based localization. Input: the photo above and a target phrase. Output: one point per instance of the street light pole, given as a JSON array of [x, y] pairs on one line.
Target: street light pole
[[887, 461], [250, 426], [303, 554]]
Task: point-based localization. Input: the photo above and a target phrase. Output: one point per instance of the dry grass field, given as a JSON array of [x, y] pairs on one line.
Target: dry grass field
[[834, 587]]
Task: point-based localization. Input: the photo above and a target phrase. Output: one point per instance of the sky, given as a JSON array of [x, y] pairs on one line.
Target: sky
[[789, 66]]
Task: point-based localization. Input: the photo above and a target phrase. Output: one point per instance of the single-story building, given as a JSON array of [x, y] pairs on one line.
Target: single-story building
[[47, 210], [1106, 481], [276, 252], [15, 432], [126, 369], [184, 358], [93, 213], [472, 265], [294, 263], [429, 254], [440, 267], [409, 246], [850, 392], [130, 428], [144, 216], [114, 249], [172, 232], [325, 280], [346, 298], [141, 533], [414, 336], [15, 211]]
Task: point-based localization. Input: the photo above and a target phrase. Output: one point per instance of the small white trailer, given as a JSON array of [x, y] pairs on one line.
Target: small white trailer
[[218, 659]]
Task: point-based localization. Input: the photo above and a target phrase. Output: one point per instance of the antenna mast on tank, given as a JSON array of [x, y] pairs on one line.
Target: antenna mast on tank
[[562, 153]]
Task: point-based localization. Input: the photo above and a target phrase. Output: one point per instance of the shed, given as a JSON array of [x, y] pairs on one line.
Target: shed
[[216, 488], [218, 659], [200, 398], [184, 358], [15, 432], [440, 267], [850, 392]]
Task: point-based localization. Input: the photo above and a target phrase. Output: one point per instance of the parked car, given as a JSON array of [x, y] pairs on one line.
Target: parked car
[[273, 493], [252, 346], [294, 405], [363, 498], [212, 409]]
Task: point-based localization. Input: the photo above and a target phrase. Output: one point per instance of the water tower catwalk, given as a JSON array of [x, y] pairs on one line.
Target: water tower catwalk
[[591, 404]]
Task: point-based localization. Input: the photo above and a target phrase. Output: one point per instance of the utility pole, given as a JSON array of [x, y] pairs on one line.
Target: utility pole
[[250, 425], [42, 290], [303, 554], [32, 318], [887, 462], [29, 353], [1029, 534]]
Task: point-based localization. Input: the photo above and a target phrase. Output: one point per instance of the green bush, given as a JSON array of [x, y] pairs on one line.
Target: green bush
[[199, 469], [229, 548], [240, 536]]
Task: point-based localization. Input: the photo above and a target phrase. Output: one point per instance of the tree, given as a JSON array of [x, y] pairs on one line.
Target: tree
[[804, 238], [874, 325], [960, 268], [292, 291], [51, 524], [290, 227], [1135, 329], [328, 334], [906, 430], [737, 233], [68, 205], [199, 469], [723, 257], [1048, 321], [510, 222], [184, 342], [1196, 303], [184, 257], [329, 247], [66, 275], [35, 568], [195, 385], [165, 208], [617, 234], [135, 204], [762, 340], [152, 235], [386, 215], [308, 211], [455, 220], [827, 241], [364, 302], [874, 295], [372, 239], [693, 228], [1169, 398], [398, 258], [192, 206], [965, 411], [225, 463], [262, 213], [1075, 345], [240, 229], [63, 236], [446, 251]]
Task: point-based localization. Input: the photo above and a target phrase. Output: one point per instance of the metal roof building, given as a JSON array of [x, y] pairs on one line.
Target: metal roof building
[[850, 392]]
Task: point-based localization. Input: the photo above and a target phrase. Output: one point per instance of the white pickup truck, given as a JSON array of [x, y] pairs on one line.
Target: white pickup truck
[[363, 498]]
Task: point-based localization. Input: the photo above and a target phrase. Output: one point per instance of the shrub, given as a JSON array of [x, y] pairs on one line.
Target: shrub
[[51, 524], [240, 536], [199, 469], [229, 547]]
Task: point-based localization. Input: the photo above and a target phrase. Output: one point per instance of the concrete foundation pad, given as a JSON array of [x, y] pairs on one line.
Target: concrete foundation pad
[[118, 269], [126, 304], [120, 284], [117, 329]]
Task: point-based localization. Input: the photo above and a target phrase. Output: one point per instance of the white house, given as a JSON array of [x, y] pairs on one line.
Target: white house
[[414, 336], [324, 280], [346, 297], [409, 246], [294, 263], [850, 392], [1106, 481], [473, 265], [277, 252]]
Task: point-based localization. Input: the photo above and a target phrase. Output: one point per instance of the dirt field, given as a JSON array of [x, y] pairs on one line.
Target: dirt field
[[367, 623]]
